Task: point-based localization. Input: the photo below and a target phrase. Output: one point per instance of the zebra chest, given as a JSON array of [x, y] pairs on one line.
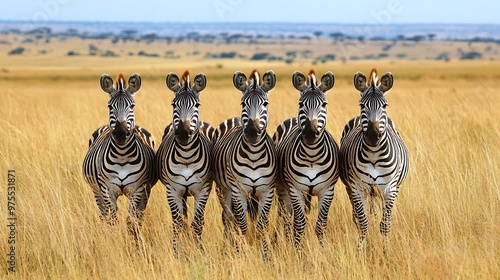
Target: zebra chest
[[372, 172], [186, 173], [310, 174], [125, 174]]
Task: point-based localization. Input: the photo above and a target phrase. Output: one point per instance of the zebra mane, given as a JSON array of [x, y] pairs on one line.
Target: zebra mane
[[185, 80], [373, 78], [255, 79], [121, 83], [312, 78]]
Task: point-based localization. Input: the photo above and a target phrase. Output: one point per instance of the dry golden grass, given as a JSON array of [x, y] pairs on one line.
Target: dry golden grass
[[445, 223]]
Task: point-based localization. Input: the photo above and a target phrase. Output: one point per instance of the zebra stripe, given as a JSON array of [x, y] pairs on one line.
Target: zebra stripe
[[245, 159], [374, 158], [184, 156], [308, 157], [121, 159]]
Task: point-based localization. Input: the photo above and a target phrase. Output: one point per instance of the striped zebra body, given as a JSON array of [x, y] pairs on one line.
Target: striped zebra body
[[307, 157], [184, 156], [374, 158], [121, 157], [245, 159]]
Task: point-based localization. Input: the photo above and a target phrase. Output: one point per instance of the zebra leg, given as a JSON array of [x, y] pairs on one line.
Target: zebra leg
[[224, 197], [358, 207], [265, 202], [200, 201], [240, 204], [285, 211], [299, 219], [138, 201], [176, 203], [385, 224], [324, 201], [108, 207]]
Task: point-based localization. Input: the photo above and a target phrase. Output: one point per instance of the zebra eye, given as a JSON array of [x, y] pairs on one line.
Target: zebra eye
[[110, 107], [197, 105], [384, 106], [265, 103], [132, 106], [362, 106], [324, 104]]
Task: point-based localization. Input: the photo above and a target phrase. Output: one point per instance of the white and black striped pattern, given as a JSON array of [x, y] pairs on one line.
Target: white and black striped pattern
[[184, 156], [374, 159], [307, 157], [245, 158], [121, 159]]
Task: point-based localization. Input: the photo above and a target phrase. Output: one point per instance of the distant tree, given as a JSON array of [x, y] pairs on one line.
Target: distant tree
[[318, 34], [431, 36], [17, 51]]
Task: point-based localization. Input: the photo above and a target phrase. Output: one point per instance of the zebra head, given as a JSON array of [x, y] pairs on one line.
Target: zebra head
[[186, 120], [312, 103], [373, 104], [254, 102], [121, 105]]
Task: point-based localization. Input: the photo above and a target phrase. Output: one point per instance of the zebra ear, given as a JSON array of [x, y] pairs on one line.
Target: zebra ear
[[200, 82], [299, 81], [134, 83], [268, 80], [386, 82], [107, 84], [172, 82], [240, 80], [327, 82], [360, 81]]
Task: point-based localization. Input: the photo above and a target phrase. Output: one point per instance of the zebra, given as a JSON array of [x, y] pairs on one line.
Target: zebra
[[245, 158], [184, 156], [374, 159], [121, 158], [307, 157]]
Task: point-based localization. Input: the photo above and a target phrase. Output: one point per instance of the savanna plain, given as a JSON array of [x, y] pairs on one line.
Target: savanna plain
[[445, 220]]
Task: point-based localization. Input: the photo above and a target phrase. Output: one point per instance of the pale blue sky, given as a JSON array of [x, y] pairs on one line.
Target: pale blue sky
[[347, 11]]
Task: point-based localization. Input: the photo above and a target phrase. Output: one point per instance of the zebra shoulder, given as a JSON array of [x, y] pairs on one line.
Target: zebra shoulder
[[225, 127], [167, 130], [145, 136], [353, 123], [101, 132], [284, 129]]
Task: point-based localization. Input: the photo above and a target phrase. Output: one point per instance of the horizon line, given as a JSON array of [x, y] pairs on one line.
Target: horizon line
[[235, 22]]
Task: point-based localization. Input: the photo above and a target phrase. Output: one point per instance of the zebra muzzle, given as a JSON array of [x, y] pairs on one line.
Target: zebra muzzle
[[120, 133], [372, 134], [310, 131], [183, 132], [252, 131]]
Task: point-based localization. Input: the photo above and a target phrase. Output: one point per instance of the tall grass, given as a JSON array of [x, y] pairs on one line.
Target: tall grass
[[445, 221]]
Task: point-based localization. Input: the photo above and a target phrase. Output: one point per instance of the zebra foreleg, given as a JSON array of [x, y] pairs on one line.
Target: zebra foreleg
[[200, 201], [324, 201], [138, 201], [240, 204], [299, 219], [109, 206], [285, 212], [176, 203], [265, 202], [385, 224], [358, 208]]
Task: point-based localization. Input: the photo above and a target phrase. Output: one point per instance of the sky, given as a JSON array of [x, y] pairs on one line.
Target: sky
[[313, 11]]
